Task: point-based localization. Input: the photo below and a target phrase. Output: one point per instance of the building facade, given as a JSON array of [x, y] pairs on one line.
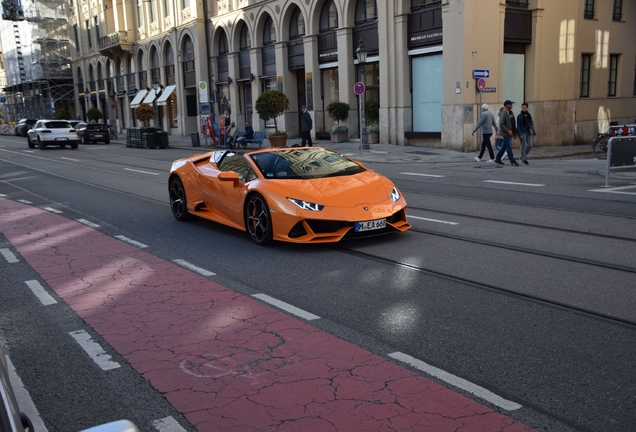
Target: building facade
[[573, 61]]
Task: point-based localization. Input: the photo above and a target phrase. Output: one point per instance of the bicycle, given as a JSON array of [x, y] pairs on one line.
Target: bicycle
[[599, 147], [113, 132]]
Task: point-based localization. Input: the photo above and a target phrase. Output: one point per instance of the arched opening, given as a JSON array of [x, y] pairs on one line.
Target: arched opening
[[328, 59]]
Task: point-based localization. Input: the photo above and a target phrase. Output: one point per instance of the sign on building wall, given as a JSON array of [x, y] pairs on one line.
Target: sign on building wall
[[203, 92]]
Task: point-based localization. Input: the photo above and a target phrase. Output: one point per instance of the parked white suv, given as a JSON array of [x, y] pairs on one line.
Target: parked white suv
[[52, 132]]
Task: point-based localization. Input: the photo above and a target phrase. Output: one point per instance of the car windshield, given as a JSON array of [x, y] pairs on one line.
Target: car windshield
[[58, 125], [96, 127], [311, 163]]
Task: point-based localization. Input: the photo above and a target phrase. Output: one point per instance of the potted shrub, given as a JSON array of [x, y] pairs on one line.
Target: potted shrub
[[269, 105], [145, 113], [93, 115], [372, 114], [338, 111]]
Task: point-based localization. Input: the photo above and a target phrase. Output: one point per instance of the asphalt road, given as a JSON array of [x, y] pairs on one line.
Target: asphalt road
[[525, 288]]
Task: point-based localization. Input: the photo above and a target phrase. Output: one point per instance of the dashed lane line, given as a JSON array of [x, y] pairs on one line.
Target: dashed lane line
[[23, 201], [514, 183], [94, 351], [9, 256], [140, 171], [2, 196], [131, 242], [456, 381], [25, 402], [45, 298], [432, 220], [88, 223], [168, 424], [52, 210], [194, 268], [287, 307], [70, 159], [422, 175]]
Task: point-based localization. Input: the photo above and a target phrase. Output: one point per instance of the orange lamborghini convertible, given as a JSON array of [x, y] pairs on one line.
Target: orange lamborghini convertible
[[301, 195]]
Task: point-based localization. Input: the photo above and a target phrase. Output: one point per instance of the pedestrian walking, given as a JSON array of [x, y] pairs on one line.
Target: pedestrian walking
[[486, 123], [505, 129], [525, 127], [306, 125], [498, 137]]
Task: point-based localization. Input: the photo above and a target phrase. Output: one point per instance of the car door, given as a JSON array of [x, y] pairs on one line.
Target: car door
[[228, 196]]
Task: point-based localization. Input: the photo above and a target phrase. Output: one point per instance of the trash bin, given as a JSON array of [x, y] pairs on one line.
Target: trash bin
[[195, 139]]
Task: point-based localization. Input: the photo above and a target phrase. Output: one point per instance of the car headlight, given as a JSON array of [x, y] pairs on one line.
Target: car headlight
[[306, 205], [395, 194]]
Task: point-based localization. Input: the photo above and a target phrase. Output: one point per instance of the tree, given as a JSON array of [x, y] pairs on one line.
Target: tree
[[271, 104], [62, 114], [145, 113], [338, 111], [94, 115], [372, 111]]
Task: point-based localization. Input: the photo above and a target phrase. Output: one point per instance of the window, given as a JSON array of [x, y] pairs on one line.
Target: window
[[589, 9], [635, 79], [366, 10], [417, 4], [328, 16], [523, 3], [88, 33], [167, 7], [77, 41], [613, 75], [269, 33], [153, 10], [246, 40], [586, 61], [96, 27], [297, 24], [186, 4], [140, 12], [617, 13], [223, 49]]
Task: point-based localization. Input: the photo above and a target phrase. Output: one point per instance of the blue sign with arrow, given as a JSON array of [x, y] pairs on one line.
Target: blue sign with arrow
[[481, 73]]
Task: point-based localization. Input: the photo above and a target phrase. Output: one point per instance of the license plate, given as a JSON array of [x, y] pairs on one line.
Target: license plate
[[61, 139], [370, 225]]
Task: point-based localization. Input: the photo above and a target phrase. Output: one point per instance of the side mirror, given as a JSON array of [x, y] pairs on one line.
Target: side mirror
[[229, 176]]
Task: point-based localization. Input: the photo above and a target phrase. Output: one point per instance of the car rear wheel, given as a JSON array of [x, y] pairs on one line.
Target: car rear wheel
[[258, 220], [74, 145], [107, 141], [41, 145], [178, 202]]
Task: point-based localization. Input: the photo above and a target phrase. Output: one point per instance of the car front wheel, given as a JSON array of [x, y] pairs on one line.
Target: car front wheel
[[41, 145], [178, 201], [31, 145], [258, 220]]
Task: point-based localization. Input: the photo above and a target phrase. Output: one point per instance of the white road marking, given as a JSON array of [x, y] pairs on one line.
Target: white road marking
[[2, 195], [432, 220], [37, 289], [88, 223], [28, 151], [25, 201], [194, 268], [74, 160], [514, 183], [422, 175], [94, 351], [24, 399], [616, 190], [9, 256], [168, 424], [132, 242], [139, 171], [456, 381], [52, 210], [286, 307]]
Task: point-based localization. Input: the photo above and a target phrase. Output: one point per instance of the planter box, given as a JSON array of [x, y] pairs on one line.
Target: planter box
[[277, 140], [373, 138], [340, 137]]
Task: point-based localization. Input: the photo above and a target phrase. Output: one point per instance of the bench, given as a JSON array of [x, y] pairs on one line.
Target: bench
[[259, 136]]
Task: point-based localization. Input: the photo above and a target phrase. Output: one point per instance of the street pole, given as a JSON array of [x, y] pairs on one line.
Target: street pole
[[361, 54]]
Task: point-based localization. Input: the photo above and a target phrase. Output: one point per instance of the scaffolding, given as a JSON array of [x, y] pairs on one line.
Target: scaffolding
[[38, 66]]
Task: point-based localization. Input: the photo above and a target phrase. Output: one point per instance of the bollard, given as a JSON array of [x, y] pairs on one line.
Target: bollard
[[195, 139]]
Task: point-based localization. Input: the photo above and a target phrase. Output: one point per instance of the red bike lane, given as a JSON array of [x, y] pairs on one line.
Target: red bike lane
[[224, 360]]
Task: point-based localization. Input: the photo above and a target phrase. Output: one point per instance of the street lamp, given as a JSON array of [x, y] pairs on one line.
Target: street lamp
[[361, 54], [156, 87]]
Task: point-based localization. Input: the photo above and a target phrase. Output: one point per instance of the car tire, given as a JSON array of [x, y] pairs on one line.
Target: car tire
[[74, 145], [41, 145], [84, 140], [107, 141], [258, 220], [178, 200], [31, 145]]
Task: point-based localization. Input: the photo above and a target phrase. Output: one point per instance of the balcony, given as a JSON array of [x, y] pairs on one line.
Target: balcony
[[114, 43]]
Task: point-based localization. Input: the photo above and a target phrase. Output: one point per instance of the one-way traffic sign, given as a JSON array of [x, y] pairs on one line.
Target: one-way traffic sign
[[481, 73]]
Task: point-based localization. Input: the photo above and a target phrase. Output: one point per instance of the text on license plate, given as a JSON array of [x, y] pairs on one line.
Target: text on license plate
[[370, 225], [62, 139]]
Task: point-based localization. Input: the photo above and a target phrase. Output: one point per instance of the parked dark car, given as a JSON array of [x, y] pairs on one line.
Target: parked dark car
[[23, 126], [92, 132]]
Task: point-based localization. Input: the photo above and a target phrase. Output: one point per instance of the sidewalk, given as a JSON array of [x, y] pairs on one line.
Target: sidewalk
[[391, 153]]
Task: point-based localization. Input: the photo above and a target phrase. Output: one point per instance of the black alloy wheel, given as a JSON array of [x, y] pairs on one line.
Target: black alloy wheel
[[258, 220], [178, 202]]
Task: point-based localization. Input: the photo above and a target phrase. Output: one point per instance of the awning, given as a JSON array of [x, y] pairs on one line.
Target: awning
[[165, 95], [150, 97], [137, 100]]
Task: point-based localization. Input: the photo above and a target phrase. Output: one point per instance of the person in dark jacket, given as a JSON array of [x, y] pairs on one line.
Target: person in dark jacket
[[525, 127], [505, 129], [249, 135], [306, 125]]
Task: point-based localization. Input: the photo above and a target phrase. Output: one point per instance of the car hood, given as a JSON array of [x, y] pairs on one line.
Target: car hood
[[344, 191]]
